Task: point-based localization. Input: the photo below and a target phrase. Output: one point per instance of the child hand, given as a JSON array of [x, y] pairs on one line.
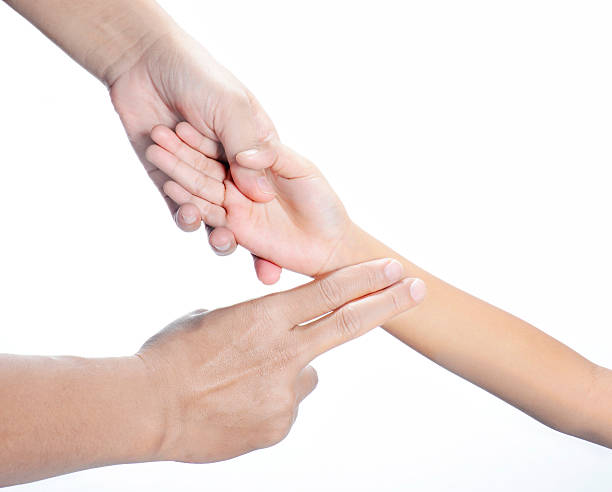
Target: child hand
[[301, 228]]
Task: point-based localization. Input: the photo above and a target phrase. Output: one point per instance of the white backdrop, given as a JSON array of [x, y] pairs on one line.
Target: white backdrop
[[473, 137]]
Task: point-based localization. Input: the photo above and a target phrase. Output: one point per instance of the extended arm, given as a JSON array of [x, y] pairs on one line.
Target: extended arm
[[62, 414], [106, 38], [500, 353]]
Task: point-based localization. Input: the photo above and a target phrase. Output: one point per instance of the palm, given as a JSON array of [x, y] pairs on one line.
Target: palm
[[299, 229]]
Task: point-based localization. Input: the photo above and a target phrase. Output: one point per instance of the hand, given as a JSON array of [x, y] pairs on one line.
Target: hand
[[230, 381], [302, 228], [175, 80]]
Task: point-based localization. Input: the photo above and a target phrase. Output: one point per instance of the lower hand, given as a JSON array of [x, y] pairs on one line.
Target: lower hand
[[230, 381]]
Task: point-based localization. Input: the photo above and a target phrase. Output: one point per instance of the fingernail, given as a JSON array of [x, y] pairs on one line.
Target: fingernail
[[393, 270], [246, 153], [264, 185], [224, 247], [418, 289], [188, 218]]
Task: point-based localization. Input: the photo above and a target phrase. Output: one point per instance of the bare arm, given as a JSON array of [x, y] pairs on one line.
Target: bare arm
[[500, 352], [62, 414], [105, 37]]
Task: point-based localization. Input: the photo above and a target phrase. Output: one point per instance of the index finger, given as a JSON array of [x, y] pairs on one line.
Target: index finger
[[326, 294], [358, 317]]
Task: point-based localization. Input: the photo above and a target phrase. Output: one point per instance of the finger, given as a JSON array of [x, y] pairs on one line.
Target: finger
[[360, 316], [166, 138], [243, 126], [307, 381], [222, 241], [281, 160], [187, 217], [267, 272], [212, 214], [197, 183], [204, 145], [336, 289]]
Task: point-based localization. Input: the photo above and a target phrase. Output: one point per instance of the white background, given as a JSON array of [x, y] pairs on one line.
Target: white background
[[473, 137]]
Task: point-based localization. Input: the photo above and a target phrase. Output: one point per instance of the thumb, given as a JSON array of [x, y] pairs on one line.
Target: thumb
[[244, 128]]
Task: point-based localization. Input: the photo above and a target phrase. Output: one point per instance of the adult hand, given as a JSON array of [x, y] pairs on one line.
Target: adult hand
[[231, 380], [156, 75], [175, 80]]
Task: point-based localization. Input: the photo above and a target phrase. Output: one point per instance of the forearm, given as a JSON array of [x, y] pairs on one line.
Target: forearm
[[104, 36], [63, 414], [501, 353]]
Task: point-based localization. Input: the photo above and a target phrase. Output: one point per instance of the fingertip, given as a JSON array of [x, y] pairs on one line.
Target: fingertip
[[267, 272], [257, 158], [418, 290], [393, 270], [188, 218], [183, 127], [222, 241], [158, 132]]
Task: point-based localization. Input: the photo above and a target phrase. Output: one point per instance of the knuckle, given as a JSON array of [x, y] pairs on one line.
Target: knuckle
[[205, 209], [277, 434], [398, 299], [315, 378], [329, 292], [372, 279], [150, 152], [200, 184], [281, 418], [348, 322], [201, 163], [286, 403], [237, 96]]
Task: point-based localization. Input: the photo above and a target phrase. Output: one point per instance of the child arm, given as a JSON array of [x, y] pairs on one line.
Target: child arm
[[500, 353]]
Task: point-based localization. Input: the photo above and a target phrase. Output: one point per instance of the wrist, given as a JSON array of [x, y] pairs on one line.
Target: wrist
[[130, 40], [355, 246], [149, 417], [106, 38], [134, 421]]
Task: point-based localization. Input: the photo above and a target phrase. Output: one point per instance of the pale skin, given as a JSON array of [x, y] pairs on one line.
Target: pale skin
[[208, 387], [306, 229]]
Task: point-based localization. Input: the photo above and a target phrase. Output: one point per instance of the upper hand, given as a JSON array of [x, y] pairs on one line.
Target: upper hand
[[177, 80]]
